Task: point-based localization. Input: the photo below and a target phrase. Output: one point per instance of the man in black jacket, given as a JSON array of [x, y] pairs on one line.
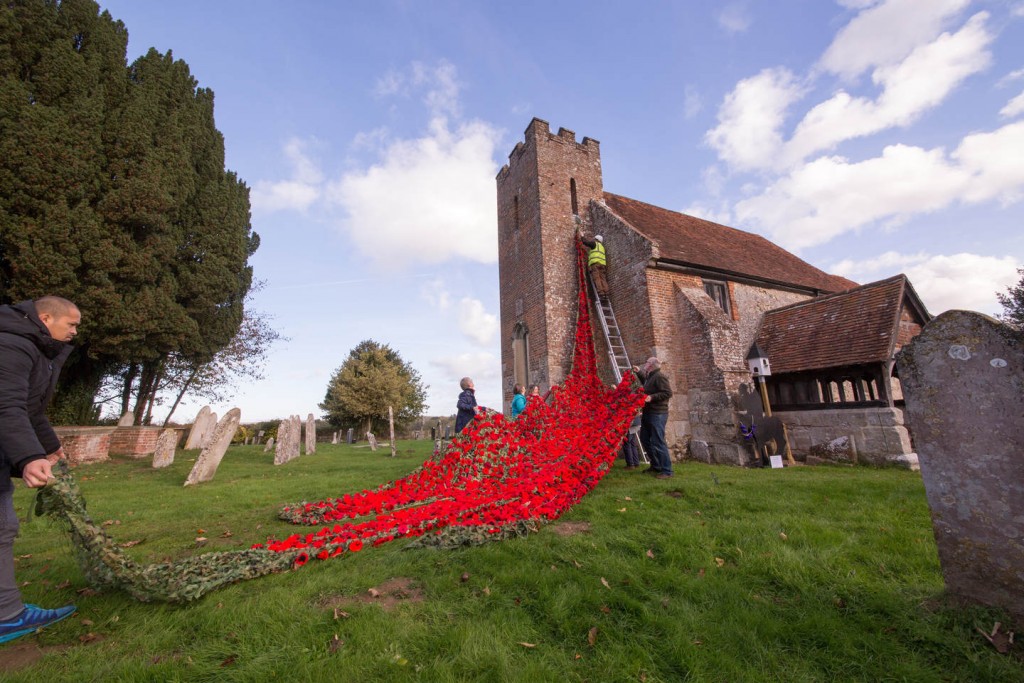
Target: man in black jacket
[[655, 416], [33, 348]]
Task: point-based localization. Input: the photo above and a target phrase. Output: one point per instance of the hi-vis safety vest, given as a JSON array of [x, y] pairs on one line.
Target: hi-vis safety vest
[[597, 255]]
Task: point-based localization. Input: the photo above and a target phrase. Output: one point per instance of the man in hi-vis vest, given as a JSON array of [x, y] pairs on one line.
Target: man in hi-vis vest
[[598, 262]]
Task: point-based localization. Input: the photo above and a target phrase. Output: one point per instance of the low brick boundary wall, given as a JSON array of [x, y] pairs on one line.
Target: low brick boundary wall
[[85, 444], [136, 442]]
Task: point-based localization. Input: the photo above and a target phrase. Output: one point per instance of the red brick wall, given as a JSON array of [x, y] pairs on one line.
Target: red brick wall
[[85, 444], [909, 328], [134, 441]]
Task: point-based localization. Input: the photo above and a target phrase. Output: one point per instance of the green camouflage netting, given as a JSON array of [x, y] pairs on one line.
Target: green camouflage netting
[[106, 565]]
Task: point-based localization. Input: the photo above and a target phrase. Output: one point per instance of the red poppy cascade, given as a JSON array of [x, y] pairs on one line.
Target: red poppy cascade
[[498, 478]]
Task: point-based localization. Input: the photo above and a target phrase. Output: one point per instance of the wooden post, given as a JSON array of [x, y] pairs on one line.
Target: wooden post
[[768, 413], [391, 423]]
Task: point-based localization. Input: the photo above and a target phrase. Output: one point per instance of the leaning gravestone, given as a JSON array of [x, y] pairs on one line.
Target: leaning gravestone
[[209, 459], [270, 445], [963, 379], [165, 445], [195, 435], [373, 441], [310, 434]]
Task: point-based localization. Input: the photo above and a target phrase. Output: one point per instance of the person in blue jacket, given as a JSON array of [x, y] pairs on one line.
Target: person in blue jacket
[[518, 400]]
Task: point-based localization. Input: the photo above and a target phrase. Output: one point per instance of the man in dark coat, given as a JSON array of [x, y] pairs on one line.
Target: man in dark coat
[[466, 406], [655, 416], [33, 348]]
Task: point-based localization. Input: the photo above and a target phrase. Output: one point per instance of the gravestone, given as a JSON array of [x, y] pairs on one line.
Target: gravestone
[[348, 439], [289, 434], [165, 445], [127, 420], [310, 434], [270, 445], [962, 380], [334, 438], [373, 441], [195, 435], [211, 426], [208, 461]]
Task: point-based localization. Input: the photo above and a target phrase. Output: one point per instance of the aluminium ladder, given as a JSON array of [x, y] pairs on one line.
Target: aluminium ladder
[[616, 347]]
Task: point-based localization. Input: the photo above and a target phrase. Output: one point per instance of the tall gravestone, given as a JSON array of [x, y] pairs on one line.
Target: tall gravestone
[[334, 438], [211, 425], [349, 436], [372, 440], [288, 436], [270, 445], [165, 445], [310, 434], [208, 461], [963, 383], [195, 435]]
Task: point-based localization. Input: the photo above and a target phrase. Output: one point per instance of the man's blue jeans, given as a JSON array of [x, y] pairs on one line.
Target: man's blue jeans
[[652, 436]]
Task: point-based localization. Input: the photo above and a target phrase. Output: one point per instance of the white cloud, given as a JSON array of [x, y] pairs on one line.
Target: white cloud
[[476, 323], [1018, 10], [427, 200], [734, 18], [721, 215], [750, 119], [995, 162], [915, 85], [1015, 75], [830, 196], [886, 33], [297, 193], [958, 281], [438, 84], [1014, 107], [436, 294]]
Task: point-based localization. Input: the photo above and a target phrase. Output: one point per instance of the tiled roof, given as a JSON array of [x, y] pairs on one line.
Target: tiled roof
[[855, 327], [696, 242]]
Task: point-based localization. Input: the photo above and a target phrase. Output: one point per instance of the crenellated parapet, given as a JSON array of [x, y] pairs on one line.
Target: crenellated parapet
[[539, 131]]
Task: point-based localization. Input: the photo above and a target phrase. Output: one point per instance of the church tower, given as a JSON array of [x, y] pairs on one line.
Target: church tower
[[544, 191]]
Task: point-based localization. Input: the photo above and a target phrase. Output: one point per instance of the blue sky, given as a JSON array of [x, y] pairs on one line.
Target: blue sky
[[870, 137]]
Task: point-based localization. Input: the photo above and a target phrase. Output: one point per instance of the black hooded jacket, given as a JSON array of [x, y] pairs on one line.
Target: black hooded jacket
[[30, 362]]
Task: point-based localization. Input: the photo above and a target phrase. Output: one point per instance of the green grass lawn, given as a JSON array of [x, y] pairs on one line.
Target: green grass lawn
[[720, 574]]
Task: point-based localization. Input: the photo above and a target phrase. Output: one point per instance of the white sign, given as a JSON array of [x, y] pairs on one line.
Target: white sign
[[776, 461]]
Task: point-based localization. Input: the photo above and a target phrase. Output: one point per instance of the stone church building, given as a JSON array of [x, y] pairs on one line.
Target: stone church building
[[698, 295]]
